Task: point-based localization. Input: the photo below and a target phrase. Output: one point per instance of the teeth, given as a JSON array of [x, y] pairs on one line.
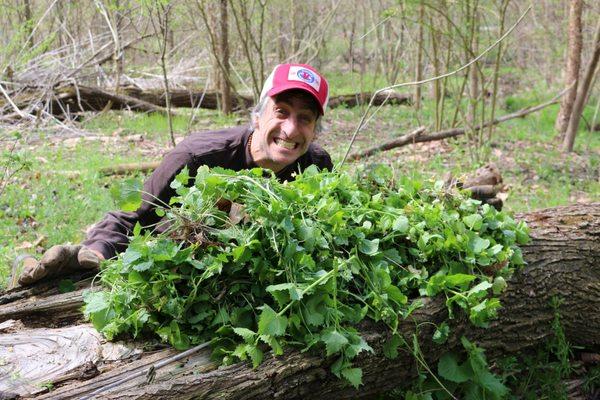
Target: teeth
[[285, 144]]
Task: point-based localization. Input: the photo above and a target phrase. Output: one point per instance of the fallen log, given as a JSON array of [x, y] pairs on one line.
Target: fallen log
[[188, 98], [74, 99], [419, 135], [356, 99], [123, 169], [87, 98], [562, 262]]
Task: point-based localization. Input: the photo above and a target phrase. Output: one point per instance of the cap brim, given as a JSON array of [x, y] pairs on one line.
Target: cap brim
[[296, 85]]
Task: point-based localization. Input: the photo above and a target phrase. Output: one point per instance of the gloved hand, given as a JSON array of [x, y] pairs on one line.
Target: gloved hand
[[60, 260], [484, 185]]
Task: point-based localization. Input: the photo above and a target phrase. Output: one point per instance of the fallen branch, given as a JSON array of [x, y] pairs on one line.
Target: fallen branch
[[408, 138], [417, 135]]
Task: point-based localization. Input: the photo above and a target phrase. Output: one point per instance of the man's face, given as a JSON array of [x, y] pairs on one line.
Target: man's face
[[284, 130]]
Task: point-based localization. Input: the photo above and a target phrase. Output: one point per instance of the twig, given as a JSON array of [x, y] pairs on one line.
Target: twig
[[364, 116]]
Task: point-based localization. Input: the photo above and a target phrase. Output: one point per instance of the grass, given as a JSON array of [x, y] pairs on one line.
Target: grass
[[48, 202]]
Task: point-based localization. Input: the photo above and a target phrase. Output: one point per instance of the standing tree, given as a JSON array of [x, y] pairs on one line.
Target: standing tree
[[419, 61], [219, 44], [575, 42], [582, 93], [224, 55]]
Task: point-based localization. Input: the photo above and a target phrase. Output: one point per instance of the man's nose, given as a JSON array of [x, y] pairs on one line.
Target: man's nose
[[290, 126]]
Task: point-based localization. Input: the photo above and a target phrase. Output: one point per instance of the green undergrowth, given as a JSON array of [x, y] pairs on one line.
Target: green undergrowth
[[251, 264]]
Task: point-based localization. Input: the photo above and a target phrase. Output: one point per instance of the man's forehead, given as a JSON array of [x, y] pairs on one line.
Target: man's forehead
[[299, 99]]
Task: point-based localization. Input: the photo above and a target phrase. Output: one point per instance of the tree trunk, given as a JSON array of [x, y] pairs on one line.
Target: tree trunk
[[561, 262], [419, 62], [224, 54], [28, 22], [582, 93], [575, 42]]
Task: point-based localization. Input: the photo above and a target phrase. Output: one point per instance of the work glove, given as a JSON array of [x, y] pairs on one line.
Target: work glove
[[60, 260], [483, 185]]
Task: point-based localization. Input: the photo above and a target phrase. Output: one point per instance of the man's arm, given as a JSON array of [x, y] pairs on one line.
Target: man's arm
[[111, 235]]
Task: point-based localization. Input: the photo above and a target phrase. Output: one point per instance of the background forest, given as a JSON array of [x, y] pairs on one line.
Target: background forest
[[93, 93]]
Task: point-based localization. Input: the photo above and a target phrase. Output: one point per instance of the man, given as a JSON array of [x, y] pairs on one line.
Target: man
[[280, 138]]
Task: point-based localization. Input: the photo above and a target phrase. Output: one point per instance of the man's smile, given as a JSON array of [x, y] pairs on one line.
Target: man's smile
[[286, 144]]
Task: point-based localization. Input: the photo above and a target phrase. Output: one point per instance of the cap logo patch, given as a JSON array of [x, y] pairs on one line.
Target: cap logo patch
[[304, 75]]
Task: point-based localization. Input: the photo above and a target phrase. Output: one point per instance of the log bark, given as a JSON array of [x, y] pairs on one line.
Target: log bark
[[562, 262]]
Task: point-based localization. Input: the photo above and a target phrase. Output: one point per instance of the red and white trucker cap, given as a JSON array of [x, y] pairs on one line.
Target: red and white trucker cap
[[297, 76]]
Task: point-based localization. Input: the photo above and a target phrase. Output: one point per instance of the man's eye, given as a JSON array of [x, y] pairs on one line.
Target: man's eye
[[306, 119], [280, 111]]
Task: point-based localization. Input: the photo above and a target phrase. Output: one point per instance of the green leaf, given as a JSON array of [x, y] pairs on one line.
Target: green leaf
[[137, 229], [245, 333], [315, 310], [353, 375], [449, 369], [95, 302], [480, 287], [396, 294], [492, 383], [459, 279], [400, 224], [334, 341], [473, 221], [390, 347], [478, 244], [269, 323], [369, 247], [127, 195], [357, 345], [441, 333], [143, 266], [499, 285], [131, 255], [274, 343], [256, 355]]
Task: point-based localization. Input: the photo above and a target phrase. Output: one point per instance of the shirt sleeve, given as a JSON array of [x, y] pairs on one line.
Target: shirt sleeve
[[111, 235]]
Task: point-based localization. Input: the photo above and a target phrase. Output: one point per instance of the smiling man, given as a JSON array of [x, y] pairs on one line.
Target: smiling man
[[280, 138]]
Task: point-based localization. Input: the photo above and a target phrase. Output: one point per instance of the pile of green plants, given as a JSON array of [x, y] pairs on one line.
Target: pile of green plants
[[250, 263]]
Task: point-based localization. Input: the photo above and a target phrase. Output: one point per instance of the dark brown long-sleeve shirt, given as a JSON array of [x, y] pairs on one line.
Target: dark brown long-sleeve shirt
[[227, 148]]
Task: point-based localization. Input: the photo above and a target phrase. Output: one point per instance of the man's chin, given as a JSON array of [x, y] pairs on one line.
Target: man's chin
[[284, 160]]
